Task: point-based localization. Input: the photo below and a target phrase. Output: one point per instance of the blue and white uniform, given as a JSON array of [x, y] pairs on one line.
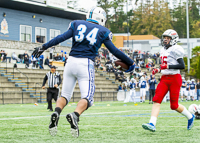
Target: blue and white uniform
[[132, 94], [192, 89], [183, 88], [188, 91], [87, 39], [143, 88]]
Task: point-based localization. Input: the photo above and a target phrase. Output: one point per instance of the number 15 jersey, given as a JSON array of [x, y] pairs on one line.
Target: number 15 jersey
[[87, 38], [169, 56]]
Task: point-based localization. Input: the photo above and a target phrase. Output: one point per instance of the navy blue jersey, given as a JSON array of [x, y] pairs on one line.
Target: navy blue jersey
[[87, 39], [183, 84], [192, 86], [187, 86], [132, 85], [143, 84]]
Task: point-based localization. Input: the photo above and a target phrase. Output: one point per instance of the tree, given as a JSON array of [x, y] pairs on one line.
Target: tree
[[151, 19], [106, 5]]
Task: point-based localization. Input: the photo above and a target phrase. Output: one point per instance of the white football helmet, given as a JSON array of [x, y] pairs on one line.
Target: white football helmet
[[183, 78], [170, 33], [96, 15], [192, 80], [193, 109], [188, 80]]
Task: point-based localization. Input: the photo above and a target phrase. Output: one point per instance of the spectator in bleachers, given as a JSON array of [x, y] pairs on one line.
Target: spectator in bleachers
[[65, 59], [34, 62], [58, 57], [26, 61], [120, 87], [25, 54], [40, 60], [46, 62], [51, 52], [3, 56], [14, 57], [6, 57], [97, 62], [108, 65]]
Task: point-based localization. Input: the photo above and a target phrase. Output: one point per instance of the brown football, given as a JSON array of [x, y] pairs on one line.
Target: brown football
[[121, 65]]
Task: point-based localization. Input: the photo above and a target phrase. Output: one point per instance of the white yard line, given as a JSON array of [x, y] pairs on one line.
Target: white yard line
[[33, 117]]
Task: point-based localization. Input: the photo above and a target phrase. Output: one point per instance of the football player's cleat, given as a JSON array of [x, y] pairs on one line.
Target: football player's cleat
[[149, 126], [190, 122], [73, 120], [53, 124]]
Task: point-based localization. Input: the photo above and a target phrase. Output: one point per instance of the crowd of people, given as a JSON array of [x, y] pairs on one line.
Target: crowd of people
[[32, 62]]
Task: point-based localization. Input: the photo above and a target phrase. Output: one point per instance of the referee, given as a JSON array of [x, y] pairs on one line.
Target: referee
[[54, 80]]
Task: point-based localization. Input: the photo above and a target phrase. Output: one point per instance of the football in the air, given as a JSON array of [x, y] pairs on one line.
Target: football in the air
[[121, 65]]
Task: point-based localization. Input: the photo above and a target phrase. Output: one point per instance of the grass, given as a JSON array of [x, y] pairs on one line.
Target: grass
[[104, 122]]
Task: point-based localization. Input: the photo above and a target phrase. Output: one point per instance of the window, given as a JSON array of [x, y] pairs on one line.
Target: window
[[40, 35], [54, 33], [25, 33]]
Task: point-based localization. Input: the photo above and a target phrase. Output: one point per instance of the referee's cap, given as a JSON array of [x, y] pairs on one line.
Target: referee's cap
[[53, 67]]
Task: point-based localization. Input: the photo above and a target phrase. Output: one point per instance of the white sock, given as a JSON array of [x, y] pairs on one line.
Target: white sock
[[186, 113], [153, 120]]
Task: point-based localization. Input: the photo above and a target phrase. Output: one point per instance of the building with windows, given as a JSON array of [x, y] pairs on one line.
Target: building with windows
[[36, 21]]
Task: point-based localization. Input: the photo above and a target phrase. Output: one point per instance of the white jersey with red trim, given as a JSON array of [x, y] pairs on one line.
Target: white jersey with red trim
[[169, 56]]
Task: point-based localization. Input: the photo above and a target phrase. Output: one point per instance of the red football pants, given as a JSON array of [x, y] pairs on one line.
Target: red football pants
[[171, 83]]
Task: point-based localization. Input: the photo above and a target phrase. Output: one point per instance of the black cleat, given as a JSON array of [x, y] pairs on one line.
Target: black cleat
[[73, 120], [53, 124]]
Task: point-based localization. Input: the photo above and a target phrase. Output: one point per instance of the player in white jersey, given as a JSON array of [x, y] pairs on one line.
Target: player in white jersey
[[172, 61], [183, 88]]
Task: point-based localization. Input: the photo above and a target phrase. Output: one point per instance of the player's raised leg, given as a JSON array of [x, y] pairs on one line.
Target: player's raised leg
[[174, 96], [161, 91], [68, 87]]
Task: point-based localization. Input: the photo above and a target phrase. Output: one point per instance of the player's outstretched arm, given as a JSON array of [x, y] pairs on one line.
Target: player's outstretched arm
[[55, 41], [117, 53]]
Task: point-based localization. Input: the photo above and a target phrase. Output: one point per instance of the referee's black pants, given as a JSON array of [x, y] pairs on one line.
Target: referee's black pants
[[151, 94], [52, 93]]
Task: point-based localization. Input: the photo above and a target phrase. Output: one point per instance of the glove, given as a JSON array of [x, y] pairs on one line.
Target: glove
[[163, 66], [154, 71], [38, 51], [130, 68]]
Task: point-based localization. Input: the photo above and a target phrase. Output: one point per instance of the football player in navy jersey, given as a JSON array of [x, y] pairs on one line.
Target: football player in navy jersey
[[183, 88], [192, 89], [87, 39]]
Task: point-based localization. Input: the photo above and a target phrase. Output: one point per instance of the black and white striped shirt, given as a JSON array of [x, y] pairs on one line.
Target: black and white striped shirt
[[53, 79]]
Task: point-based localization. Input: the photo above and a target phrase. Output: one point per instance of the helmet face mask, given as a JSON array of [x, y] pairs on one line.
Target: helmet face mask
[[96, 15], [173, 35]]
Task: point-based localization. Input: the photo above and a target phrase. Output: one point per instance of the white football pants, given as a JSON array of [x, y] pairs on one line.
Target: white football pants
[[81, 69], [192, 92], [183, 91], [131, 96]]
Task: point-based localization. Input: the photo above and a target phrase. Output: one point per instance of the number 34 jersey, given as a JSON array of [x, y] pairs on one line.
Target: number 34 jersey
[[169, 56], [87, 38]]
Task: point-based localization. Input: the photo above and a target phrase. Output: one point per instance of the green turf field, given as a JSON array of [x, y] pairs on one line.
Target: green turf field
[[105, 122]]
